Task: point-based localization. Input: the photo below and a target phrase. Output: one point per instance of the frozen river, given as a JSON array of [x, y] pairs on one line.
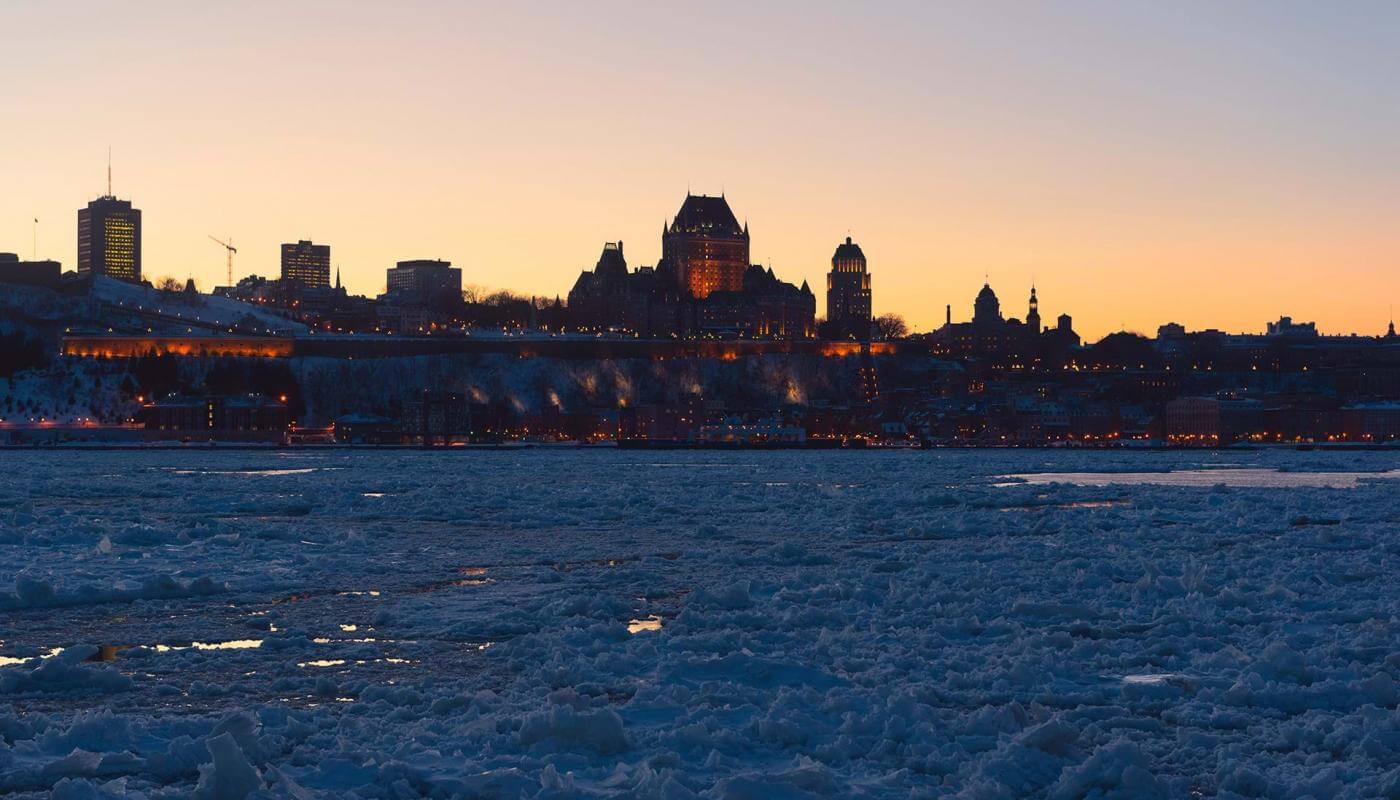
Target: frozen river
[[551, 623]]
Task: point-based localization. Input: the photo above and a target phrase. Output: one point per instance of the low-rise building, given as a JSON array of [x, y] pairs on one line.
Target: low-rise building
[[250, 417], [29, 273]]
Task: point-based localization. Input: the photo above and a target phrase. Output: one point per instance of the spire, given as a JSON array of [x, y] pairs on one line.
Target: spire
[[337, 276]]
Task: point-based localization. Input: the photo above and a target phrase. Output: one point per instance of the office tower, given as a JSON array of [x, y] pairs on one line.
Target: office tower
[[109, 239], [307, 263]]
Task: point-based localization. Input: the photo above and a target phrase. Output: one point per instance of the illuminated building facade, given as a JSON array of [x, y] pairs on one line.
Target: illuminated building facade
[[765, 308], [703, 286], [109, 239], [848, 293], [706, 247], [307, 263]]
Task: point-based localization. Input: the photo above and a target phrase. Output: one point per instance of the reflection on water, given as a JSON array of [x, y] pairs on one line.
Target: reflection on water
[[109, 652], [651, 623], [326, 663], [1148, 680], [1176, 679], [1245, 477], [10, 661], [1073, 505], [254, 473]]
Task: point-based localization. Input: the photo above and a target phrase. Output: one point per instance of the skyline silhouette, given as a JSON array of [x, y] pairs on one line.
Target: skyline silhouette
[[1216, 167]]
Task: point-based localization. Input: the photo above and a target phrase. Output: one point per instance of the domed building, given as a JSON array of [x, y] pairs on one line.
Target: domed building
[[986, 309], [1006, 342]]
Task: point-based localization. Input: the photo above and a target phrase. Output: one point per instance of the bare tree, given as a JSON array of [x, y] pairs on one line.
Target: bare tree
[[891, 326], [504, 297], [169, 284]]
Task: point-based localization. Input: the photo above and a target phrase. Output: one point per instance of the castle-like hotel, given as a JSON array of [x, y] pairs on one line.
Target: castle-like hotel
[[706, 285], [703, 284]]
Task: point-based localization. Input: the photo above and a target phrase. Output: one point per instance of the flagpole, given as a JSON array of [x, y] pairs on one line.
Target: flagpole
[[35, 243]]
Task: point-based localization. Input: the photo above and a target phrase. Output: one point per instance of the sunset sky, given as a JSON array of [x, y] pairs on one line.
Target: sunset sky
[[1215, 164]]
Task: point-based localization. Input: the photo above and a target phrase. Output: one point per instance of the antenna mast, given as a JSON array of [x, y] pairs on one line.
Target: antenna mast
[[109, 171]]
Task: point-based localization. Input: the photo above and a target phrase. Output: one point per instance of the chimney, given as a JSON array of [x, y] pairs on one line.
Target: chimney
[[948, 318]]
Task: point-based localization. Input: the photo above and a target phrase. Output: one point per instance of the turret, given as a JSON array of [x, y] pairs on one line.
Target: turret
[[1033, 315]]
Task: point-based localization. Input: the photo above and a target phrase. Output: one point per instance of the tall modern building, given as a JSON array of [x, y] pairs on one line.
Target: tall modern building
[[706, 247], [109, 239], [307, 263], [848, 293]]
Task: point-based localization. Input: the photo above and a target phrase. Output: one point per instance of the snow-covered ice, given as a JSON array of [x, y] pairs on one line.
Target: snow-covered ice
[[552, 623]]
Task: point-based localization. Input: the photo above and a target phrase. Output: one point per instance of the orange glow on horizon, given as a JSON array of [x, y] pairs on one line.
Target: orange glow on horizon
[[1132, 160]]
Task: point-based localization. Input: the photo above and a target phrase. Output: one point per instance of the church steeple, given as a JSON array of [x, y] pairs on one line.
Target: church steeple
[[1033, 315]]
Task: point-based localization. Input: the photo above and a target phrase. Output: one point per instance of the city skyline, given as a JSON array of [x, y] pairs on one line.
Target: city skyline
[[1178, 172]]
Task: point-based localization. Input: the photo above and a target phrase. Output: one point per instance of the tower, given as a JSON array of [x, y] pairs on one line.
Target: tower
[[706, 247], [1033, 315], [848, 292], [109, 238]]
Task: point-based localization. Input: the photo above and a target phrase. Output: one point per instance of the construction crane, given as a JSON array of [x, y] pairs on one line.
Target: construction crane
[[231, 250]]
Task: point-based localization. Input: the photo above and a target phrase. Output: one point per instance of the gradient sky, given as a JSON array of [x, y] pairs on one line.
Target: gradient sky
[[1216, 164]]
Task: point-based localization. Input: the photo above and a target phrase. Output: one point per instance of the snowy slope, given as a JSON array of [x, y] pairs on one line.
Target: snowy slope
[[661, 625], [202, 308]]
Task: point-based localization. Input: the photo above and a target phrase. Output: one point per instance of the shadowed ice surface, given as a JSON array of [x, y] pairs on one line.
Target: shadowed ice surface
[[619, 624]]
